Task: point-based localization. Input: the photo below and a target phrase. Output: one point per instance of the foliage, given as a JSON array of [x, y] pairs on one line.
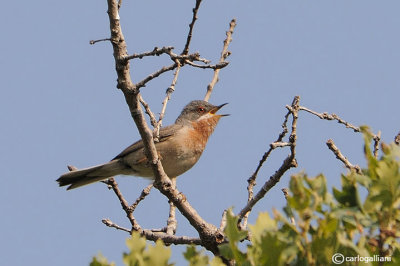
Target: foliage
[[140, 253], [327, 224], [362, 218]]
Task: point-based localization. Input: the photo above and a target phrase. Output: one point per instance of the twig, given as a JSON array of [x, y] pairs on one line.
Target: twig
[[143, 82], [109, 223], [168, 93], [252, 180], [191, 26], [124, 204], [171, 222], [224, 55], [156, 52], [397, 139], [331, 145], [377, 139], [153, 119], [327, 116], [149, 234], [288, 163], [215, 67], [101, 40], [171, 239], [286, 194], [143, 195], [119, 4]]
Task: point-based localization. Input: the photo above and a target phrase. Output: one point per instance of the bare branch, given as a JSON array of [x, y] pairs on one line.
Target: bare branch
[[191, 26], [252, 180], [331, 145], [171, 239], [156, 52], [143, 195], [327, 116], [215, 67], [172, 223], [124, 204], [143, 82], [91, 42], [109, 223], [153, 119], [168, 93], [224, 55], [288, 163]]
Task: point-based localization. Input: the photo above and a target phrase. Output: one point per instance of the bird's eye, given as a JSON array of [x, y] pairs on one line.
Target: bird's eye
[[200, 109]]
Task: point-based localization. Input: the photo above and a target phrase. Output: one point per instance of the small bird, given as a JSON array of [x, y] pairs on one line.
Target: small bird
[[179, 147]]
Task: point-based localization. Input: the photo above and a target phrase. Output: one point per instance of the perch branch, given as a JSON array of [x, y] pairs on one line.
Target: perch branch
[[210, 236]]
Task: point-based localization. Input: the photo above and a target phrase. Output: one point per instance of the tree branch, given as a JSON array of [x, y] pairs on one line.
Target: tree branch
[[143, 195], [331, 145], [288, 163], [210, 236], [191, 26], [224, 55], [156, 52]]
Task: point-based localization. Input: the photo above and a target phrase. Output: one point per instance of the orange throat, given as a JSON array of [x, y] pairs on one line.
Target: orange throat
[[201, 131]]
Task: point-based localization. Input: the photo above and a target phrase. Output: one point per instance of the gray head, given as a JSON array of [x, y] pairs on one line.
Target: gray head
[[197, 109]]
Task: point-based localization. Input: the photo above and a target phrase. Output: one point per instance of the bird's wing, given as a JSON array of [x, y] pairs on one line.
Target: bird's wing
[[165, 133]]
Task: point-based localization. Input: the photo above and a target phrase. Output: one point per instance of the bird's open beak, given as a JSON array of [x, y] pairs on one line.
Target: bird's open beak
[[214, 110]]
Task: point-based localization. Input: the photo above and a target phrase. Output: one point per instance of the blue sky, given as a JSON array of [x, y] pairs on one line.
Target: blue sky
[[60, 106]]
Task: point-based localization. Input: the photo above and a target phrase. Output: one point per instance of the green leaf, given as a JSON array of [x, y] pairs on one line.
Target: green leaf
[[138, 255], [216, 261], [263, 224], [348, 197], [234, 235], [100, 260], [158, 254], [231, 229], [195, 257]]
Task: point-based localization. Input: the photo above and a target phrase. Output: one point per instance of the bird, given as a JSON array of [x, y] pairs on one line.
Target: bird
[[179, 147]]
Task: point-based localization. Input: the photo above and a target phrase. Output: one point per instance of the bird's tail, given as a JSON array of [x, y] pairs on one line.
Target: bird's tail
[[78, 178]]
